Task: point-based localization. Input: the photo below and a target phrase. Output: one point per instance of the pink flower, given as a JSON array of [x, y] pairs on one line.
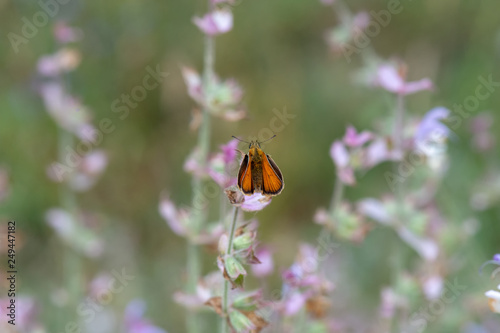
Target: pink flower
[[135, 321], [354, 139], [391, 80], [67, 111], [66, 34], [64, 60], [255, 202], [192, 164], [294, 303], [84, 175], [341, 158], [221, 98], [360, 21], [229, 151], [379, 151], [221, 164], [71, 229], [210, 285], [177, 220], [431, 129], [433, 287], [266, 265], [215, 23], [493, 300], [193, 83]]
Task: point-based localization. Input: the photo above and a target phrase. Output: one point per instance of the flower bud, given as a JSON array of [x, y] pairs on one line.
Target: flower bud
[[234, 267], [240, 322]]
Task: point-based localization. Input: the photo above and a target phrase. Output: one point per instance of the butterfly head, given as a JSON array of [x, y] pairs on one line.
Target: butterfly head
[[254, 144]]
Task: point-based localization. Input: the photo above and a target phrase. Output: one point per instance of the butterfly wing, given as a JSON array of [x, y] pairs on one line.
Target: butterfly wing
[[272, 178], [245, 177]]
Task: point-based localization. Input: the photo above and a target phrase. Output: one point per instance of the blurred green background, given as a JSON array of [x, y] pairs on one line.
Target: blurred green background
[[277, 52]]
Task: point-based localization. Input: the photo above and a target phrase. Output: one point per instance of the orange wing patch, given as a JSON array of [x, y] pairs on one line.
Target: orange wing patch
[[245, 177], [271, 177]]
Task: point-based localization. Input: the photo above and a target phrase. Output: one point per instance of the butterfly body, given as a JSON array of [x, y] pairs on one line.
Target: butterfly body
[[259, 173]]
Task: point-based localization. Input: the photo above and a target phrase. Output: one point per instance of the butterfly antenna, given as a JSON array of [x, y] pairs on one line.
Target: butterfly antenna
[[240, 139], [269, 138]]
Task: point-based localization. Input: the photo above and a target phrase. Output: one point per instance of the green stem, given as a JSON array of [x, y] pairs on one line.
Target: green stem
[[199, 214], [72, 262], [225, 327], [399, 124], [398, 137], [338, 192]]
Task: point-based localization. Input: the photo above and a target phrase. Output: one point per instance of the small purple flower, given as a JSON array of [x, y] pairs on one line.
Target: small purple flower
[[193, 164], [431, 129], [229, 151], [255, 202], [135, 321], [64, 60], [433, 287], [493, 300], [177, 220], [209, 286], [294, 303], [221, 98], [341, 158], [215, 23], [303, 283], [266, 266], [66, 34], [84, 175], [360, 21], [379, 151], [391, 80], [354, 139], [194, 84], [71, 229], [220, 165], [67, 111]]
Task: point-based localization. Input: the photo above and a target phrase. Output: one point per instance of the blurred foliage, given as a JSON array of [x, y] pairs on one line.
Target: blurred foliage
[[277, 52]]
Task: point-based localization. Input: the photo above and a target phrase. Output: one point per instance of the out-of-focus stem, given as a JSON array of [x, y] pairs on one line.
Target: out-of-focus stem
[[72, 261], [199, 214], [338, 192], [226, 282], [397, 136]]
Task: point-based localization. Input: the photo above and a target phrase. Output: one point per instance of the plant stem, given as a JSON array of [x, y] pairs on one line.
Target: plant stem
[[398, 138], [338, 192], [226, 282], [199, 214], [72, 262], [398, 124]]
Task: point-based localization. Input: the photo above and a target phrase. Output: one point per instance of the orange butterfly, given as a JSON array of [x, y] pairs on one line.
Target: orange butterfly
[[258, 172]]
